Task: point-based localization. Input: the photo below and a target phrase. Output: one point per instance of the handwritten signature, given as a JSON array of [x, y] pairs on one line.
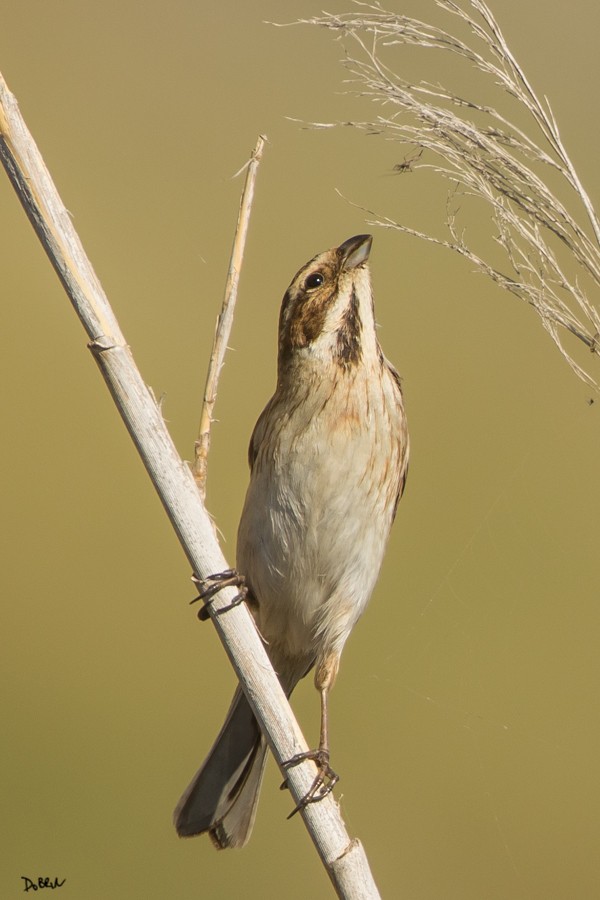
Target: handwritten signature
[[31, 885]]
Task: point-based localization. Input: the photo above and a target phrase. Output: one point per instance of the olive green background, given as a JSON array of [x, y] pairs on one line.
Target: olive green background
[[465, 718]]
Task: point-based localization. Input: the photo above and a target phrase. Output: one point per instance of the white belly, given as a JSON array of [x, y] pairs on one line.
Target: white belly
[[316, 520]]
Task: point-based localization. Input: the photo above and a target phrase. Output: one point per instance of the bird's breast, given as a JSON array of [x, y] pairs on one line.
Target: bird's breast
[[319, 508]]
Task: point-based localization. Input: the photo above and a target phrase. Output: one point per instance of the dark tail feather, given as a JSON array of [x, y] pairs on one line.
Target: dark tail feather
[[223, 795]]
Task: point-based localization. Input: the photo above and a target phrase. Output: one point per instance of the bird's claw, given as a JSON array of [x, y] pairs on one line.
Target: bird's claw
[[324, 782], [209, 587]]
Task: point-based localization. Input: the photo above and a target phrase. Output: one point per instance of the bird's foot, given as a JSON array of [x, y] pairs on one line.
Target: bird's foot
[[209, 587], [324, 782]]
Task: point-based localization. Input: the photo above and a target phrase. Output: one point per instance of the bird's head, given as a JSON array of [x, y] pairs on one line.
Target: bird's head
[[327, 311]]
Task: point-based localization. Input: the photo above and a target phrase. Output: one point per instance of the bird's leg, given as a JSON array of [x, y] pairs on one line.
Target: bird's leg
[[326, 778], [209, 587]]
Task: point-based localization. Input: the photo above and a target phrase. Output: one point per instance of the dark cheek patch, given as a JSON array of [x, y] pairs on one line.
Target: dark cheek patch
[[303, 317]]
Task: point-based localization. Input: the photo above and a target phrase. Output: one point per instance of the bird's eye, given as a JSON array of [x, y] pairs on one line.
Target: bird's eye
[[314, 280]]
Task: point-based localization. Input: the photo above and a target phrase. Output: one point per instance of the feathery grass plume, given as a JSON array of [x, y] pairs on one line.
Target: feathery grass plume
[[486, 156]]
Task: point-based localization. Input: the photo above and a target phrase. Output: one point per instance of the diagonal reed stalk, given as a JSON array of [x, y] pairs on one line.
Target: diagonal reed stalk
[[487, 156]]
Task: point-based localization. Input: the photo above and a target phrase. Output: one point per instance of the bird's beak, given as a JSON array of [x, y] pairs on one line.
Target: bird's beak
[[355, 251]]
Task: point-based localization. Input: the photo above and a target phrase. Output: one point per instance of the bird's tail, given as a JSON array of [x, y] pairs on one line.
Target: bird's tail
[[223, 795]]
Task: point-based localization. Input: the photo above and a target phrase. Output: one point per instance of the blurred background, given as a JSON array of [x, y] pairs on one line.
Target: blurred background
[[465, 718]]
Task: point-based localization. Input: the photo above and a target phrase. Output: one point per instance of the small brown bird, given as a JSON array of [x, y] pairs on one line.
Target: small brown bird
[[328, 460]]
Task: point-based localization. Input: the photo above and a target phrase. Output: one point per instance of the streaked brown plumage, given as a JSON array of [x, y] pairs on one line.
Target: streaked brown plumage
[[328, 459]]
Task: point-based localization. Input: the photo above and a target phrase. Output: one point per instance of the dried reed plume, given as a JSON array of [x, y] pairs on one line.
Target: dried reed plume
[[487, 156]]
